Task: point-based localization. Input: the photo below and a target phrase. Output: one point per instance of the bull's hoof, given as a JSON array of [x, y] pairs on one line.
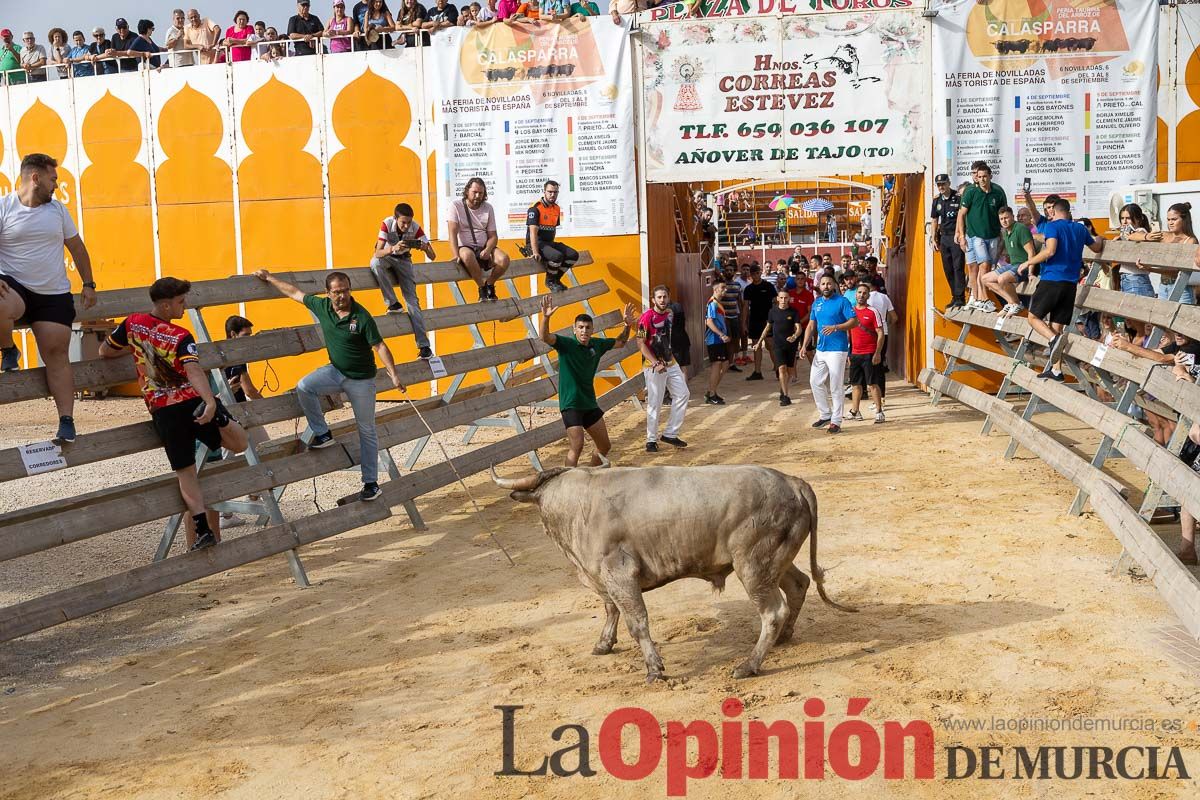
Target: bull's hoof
[[784, 636], [744, 671], [651, 677], [603, 649]]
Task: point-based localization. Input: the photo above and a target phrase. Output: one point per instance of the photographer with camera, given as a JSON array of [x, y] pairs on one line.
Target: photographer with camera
[[543, 219], [399, 235]]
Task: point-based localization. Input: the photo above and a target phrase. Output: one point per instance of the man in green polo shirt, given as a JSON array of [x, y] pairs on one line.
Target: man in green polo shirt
[[578, 359], [1003, 280], [350, 337], [977, 229]]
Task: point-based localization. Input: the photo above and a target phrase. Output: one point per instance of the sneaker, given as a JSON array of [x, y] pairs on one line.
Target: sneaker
[[754, 376], [555, 285], [322, 440], [204, 540], [231, 520], [734, 368], [835, 428], [953, 305], [1058, 376], [370, 491], [821, 423], [395, 308], [855, 416], [1055, 347], [10, 359], [988, 306], [483, 293], [66, 430], [713, 399], [1010, 309], [425, 352], [784, 400], [674, 441], [651, 447], [491, 292], [879, 418]]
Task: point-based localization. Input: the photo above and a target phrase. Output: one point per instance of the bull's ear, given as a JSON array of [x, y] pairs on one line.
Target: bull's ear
[[524, 497]]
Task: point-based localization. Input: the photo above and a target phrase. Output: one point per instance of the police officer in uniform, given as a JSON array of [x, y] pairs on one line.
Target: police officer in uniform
[[945, 215], [543, 219]]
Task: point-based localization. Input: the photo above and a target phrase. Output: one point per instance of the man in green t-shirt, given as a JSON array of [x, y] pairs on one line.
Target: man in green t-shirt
[[578, 358], [977, 230], [1003, 280], [350, 337], [10, 60]]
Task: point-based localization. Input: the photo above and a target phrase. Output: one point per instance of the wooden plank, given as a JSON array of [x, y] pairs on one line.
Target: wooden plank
[[33, 530], [1176, 317], [1177, 585], [98, 595], [1159, 465], [30, 384], [1153, 255], [89, 598], [119, 303], [139, 437]]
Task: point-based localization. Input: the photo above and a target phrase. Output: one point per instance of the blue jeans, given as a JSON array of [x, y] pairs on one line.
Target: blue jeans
[[1164, 293], [1139, 285], [361, 394], [402, 268]]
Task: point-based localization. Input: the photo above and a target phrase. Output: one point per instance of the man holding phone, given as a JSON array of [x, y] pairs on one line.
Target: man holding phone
[[398, 236]]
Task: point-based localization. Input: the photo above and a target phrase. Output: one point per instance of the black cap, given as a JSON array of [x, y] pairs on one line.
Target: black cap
[[121, 23], [943, 178]]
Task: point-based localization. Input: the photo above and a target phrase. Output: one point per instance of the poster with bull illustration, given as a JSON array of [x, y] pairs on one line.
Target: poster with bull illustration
[[756, 96], [1061, 92], [522, 103]]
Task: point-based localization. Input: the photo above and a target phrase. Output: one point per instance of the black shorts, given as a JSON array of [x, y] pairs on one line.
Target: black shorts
[[484, 263], [581, 417], [178, 431], [682, 357], [58, 308], [718, 352], [754, 327], [863, 373], [785, 356], [733, 328], [1054, 299]]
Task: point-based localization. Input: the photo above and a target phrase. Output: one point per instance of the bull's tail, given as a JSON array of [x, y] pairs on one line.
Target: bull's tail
[[818, 575]]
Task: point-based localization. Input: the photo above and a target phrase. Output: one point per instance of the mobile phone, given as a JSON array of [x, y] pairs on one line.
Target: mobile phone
[[1026, 185], [411, 243]]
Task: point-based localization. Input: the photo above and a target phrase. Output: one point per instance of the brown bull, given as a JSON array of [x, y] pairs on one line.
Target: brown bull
[[628, 530]]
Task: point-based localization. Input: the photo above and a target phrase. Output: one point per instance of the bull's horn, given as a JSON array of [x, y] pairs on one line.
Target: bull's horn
[[526, 484]]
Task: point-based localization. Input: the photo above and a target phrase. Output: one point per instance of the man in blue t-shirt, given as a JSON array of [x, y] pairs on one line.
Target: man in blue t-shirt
[[1062, 264], [716, 339], [829, 324]]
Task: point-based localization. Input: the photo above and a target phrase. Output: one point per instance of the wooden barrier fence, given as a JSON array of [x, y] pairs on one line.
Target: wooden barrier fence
[[272, 465], [1108, 386]]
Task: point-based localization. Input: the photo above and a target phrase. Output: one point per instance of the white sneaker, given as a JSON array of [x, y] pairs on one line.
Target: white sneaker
[[973, 304], [855, 416], [988, 306], [1010, 309], [231, 520], [879, 418]]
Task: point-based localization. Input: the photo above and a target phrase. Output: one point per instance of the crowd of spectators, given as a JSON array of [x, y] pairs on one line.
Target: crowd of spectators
[[194, 39]]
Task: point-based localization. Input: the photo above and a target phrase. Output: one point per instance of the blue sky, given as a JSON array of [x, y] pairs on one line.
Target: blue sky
[[40, 16]]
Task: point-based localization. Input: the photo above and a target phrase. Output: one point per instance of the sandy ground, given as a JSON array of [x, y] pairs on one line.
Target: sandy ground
[[979, 598]]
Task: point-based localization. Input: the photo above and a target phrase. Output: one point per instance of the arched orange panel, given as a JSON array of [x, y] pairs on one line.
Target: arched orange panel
[[115, 196], [282, 209], [5, 184]]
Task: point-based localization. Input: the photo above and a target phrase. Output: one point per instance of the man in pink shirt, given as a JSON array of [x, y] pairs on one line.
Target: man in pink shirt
[[662, 373]]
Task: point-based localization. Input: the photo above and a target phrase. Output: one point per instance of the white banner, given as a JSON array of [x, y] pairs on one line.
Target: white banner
[[519, 104], [1064, 96], [803, 94]]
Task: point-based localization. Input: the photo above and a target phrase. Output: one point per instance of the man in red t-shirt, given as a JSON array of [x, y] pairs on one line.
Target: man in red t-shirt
[[866, 355], [177, 393], [661, 371]]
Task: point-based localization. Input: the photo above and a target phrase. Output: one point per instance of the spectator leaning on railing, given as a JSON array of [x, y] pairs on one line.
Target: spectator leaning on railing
[[144, 45], [340, 29], [204, 35], [239, 36], [80, 57], [377, 24], [442, 15], [58, 50], [33, 59], [305, 30], [98, 48], [122, 41], [412, 18], [174, 43], [10, 59]]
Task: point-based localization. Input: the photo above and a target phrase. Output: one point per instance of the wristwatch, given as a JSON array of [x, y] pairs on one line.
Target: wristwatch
[[90, 285]]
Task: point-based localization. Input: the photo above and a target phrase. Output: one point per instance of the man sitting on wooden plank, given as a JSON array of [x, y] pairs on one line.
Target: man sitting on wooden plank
[[350, 336], [180, 400], [34, 289]]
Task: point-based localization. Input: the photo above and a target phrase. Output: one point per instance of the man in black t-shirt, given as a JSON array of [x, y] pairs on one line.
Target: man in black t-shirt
[[303, 29], [123, 40], [758, 296], [783, 325]]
